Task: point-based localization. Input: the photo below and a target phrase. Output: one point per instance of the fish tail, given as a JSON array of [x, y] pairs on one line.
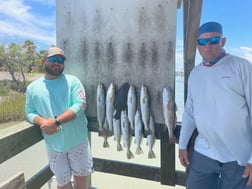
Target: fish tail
[[119, 147], [172, 139], [105, 144], [151, 154], [139, 150], [129, 154]]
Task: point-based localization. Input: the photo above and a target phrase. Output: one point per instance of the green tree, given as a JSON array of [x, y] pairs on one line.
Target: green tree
[[18, 60]]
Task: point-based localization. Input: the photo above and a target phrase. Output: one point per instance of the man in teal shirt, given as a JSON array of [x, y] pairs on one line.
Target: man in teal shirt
[[56, 103]]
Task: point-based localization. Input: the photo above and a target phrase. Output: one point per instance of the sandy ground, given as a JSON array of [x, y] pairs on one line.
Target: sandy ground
[[30, 76], [34, 159]]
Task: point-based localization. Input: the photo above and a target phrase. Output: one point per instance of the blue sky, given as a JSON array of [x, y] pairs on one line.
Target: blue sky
[[35, 20], [28, 20], [235, 17]]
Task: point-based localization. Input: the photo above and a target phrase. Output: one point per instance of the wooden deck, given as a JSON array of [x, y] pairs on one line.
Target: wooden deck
[[15, 182], [12, 144]]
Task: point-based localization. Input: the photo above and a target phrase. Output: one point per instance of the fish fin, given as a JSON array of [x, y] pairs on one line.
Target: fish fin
[[114, 113], [117, 114], [151, 154], [147, 131]]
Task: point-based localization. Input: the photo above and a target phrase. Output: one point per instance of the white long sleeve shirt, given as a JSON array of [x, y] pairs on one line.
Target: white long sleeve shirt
[[219, 105]]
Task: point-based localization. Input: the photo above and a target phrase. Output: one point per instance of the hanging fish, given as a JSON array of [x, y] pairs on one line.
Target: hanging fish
[[110, 97], [120, 102], [125, 127], [101, 108], [169, 111], [151, 139], [145, 108], [138, 132], [105, 142], [131, 106], [117, 133]]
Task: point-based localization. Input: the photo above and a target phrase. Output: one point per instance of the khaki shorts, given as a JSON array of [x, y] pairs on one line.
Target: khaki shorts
[[77, 161]]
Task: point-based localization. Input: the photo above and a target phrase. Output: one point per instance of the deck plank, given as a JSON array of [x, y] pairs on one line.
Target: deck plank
[[15, 182]]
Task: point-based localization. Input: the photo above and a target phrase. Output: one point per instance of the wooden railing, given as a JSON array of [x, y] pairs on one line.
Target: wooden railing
[[166, 174]]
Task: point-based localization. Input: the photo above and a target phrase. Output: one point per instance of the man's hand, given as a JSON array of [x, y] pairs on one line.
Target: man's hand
[[248, 173], [184, 158], [48, 126]]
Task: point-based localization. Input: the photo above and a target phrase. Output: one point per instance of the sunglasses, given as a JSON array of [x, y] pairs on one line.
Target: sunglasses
[[54, 59], [212, 40]]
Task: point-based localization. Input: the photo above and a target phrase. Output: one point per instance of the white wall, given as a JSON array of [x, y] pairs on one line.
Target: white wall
[[119, 41]]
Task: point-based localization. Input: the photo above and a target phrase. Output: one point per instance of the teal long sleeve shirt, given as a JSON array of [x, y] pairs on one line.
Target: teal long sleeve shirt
[[49, 98]]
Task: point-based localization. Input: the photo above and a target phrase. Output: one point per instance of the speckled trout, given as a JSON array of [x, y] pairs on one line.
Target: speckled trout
[[125, 127], [138, 132], [100, 108], [169, 110], [151, 139], [131, 106], [117, 133], [110, 97], [145, 108]]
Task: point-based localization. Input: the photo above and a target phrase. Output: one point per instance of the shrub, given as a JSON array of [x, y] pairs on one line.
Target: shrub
[[12, 107], [5, 87]]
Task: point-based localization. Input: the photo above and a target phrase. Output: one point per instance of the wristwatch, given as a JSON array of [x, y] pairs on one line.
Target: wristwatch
[[57, 121]]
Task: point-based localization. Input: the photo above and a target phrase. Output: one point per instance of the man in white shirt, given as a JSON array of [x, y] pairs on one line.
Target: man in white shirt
[[219, 106]]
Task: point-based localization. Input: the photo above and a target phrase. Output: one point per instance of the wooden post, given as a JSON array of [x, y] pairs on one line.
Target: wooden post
[[192, 14], [168, 172]]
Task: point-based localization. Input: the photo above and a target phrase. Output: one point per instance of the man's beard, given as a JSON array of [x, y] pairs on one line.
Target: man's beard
[[54, 72]]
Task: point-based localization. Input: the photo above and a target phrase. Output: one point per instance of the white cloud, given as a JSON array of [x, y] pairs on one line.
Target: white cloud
[[15, 9], [247, 53], [20, 21], [20, 31]]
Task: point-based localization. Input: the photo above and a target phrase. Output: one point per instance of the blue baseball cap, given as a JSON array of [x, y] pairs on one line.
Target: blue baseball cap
[[210, 27]]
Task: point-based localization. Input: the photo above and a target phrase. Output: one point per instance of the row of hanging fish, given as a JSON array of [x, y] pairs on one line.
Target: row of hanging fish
[[120, 114]]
